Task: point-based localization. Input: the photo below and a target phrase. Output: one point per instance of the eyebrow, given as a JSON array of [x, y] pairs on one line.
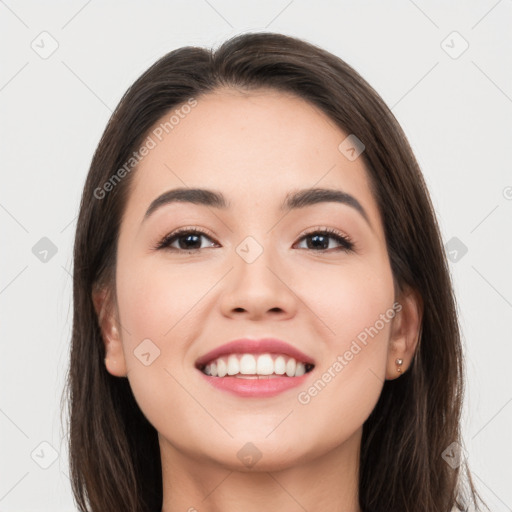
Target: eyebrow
[[293, 200]]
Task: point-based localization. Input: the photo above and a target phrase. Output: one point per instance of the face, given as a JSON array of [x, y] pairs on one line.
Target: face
[[316, 276]]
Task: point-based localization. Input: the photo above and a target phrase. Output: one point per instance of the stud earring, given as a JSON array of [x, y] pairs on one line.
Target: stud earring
[[399, 362]]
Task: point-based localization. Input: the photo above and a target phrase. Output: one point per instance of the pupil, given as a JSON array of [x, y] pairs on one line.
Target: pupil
[[188, 237], [315, 239]]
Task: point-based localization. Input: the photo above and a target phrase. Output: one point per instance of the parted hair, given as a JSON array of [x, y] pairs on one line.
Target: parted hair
[[113, 450]]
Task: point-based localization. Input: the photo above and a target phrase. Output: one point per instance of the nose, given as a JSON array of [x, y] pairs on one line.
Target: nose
[[258, 289]]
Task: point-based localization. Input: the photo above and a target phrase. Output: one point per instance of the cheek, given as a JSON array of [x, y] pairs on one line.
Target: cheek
[[355, 311], [155, 298], [160, 310], [348, 299]]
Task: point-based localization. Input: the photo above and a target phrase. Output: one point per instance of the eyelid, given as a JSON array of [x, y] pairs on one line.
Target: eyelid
[[184, 229], [196, 229], [352, 246], [346, 240], [325, 229]]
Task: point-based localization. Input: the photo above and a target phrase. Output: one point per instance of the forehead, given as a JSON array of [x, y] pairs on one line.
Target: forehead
[[254, 146]]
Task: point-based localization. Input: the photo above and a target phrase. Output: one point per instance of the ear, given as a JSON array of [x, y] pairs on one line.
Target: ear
[[115, 362], [405, 332]]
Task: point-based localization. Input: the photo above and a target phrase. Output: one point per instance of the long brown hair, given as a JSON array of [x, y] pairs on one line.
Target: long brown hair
[[113, 450]]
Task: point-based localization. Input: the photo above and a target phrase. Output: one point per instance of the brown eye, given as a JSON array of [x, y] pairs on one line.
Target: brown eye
[[189, 240], [183, 240], [319, 241]]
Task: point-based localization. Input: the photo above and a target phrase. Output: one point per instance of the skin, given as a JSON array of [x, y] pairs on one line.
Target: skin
[[255, 148]]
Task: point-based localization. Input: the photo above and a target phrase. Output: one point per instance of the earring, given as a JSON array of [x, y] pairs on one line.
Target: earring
[[399, 362]]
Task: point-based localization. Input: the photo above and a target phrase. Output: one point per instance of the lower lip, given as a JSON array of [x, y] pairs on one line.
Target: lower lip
[[255, 387]]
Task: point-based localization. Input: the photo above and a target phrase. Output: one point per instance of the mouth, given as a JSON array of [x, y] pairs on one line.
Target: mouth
[[256, 366]]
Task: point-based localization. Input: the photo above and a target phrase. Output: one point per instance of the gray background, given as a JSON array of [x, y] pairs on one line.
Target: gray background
[[455, 107]]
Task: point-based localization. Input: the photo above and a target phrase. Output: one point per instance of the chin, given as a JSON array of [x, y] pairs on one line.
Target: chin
[[259, 454]]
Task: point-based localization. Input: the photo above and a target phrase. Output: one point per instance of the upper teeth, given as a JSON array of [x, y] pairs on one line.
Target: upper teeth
[[249, 364]]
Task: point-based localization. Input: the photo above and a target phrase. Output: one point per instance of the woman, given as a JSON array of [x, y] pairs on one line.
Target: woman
[[263, 314]]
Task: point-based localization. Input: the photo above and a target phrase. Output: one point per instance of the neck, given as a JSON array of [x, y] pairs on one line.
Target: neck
[[327, 483]]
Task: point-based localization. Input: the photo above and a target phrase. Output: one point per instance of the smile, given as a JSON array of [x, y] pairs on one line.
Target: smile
[[256, 375], [256, 366]]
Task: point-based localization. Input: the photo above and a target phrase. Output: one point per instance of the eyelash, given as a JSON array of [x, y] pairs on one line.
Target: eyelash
[[347, 245]]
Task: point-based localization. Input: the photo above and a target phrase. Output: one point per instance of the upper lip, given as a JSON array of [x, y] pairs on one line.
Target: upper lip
[[254, 346]]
